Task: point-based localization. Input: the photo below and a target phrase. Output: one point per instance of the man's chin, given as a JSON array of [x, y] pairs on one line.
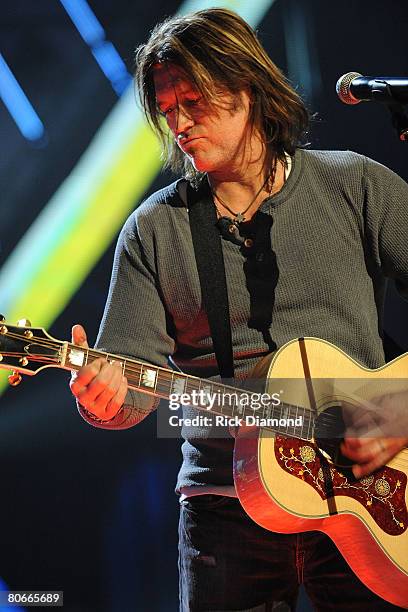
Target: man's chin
[[200, 165]]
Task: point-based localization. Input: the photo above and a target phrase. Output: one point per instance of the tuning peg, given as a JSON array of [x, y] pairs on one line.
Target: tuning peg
[[2, 318], [23, 323], [14, 378]]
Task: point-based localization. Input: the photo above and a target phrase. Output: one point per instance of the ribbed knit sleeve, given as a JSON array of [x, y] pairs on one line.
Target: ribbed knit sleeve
[[135, 321], [386, 215]]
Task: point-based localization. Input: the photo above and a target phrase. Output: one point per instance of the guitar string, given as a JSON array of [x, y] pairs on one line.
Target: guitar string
[[398, 461], [324, 419], [168, 375], [136, 369]]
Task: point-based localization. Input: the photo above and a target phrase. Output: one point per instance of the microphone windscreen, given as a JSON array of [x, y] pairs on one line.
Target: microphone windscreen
[[343, 88]]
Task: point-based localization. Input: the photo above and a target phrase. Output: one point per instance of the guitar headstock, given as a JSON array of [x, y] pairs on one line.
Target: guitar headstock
[[27, 350]]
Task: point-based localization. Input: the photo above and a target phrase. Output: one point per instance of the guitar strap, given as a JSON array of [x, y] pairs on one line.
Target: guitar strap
[[211, 271]]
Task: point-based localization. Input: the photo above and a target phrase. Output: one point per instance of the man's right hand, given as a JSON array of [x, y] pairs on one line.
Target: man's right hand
[[100, 386]]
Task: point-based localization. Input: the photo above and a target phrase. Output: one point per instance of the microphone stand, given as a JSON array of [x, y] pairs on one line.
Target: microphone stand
[[399, 119], [399, 116]]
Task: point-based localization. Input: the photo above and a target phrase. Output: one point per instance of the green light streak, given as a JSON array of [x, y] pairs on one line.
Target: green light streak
[[75, 227]]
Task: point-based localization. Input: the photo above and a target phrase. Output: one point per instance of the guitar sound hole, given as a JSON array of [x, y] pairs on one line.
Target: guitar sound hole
[[329, 434]]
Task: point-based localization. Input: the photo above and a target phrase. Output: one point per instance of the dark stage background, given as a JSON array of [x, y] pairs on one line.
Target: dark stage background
[[92, 512]]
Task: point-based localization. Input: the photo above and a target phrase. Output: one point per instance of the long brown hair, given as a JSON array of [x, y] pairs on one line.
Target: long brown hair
[[215, 47]]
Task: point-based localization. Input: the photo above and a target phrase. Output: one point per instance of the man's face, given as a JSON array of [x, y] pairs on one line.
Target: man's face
[[213, 137]]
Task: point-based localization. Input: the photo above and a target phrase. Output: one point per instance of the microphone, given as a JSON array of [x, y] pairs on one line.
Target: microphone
[[353, 88]]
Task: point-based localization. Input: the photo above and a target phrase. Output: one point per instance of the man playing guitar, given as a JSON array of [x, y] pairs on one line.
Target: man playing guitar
[[313, 234]]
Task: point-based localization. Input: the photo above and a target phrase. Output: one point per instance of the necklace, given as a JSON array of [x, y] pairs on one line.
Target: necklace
[[240, 216]]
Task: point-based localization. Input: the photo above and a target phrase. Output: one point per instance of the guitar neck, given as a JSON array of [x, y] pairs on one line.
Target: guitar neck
[[235, 404], [28, 350]]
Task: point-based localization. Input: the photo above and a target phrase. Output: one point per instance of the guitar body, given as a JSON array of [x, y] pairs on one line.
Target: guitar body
[[286, 485]]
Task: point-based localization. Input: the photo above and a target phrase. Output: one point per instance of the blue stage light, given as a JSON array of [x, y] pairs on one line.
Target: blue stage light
[[103, 50], [112, 66], [85, 20], [18, 105]]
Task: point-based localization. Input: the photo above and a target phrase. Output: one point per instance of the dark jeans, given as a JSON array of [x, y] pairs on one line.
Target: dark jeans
[[228, 562]]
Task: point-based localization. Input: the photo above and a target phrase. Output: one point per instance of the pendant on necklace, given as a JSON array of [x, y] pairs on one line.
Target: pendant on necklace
[[239, 218]]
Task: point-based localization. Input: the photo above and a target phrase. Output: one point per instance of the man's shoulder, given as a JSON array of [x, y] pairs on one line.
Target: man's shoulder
[[334, 159], [161, 201], [349, 164], [341, 167], [153, 214]]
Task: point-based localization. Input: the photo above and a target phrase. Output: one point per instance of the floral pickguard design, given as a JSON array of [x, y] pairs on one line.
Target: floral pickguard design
[[382, 493]]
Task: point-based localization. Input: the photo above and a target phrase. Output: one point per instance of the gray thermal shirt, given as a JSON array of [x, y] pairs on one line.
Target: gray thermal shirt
[[336, 230]]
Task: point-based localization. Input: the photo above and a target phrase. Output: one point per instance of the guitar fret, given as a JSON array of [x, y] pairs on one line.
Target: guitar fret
[[155, 379], [229, 409], [235, 407], [309, 427], [290, 428], [171, 381], [206, 390], [189, 389], [303, 428], [303, 422], [240, 409], [221, 405], [266, 411]]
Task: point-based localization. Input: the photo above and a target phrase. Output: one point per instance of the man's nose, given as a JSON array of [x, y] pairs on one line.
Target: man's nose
[[184, 120]]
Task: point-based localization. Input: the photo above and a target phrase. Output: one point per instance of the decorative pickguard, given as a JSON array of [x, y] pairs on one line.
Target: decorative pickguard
[[382, 493]]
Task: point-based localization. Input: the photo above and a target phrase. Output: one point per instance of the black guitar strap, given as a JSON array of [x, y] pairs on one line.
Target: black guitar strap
[[211, 272]]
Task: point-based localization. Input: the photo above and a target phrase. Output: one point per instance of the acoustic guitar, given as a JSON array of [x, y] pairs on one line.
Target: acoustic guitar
[[289, 475]]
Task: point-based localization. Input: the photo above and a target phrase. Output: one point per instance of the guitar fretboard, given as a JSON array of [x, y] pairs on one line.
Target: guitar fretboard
[[235, 404]]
